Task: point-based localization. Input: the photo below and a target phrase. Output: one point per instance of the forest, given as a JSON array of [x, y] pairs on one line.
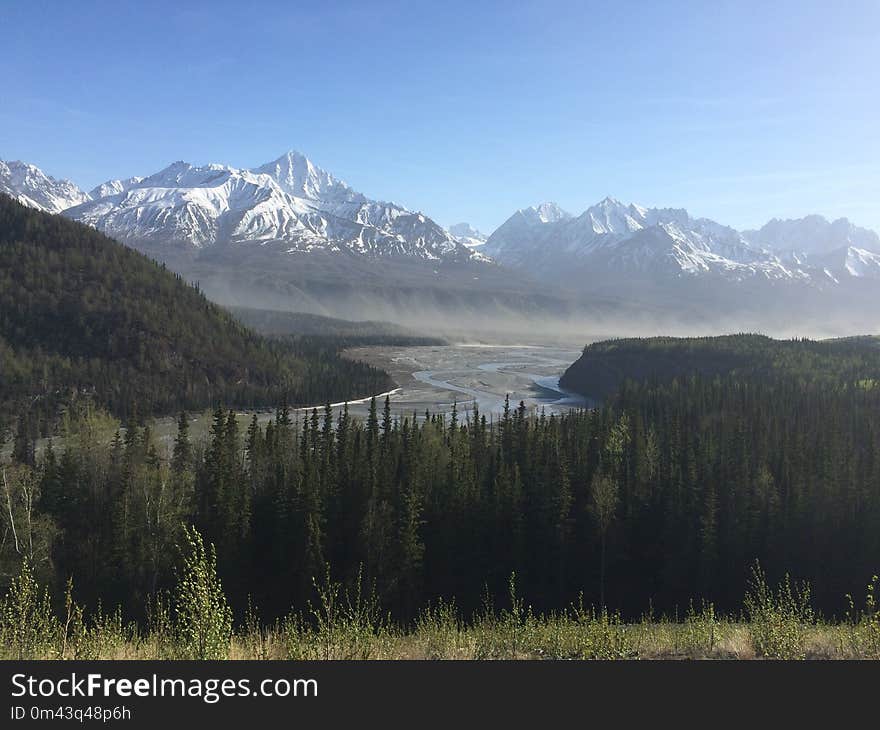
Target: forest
[[665, 495], [605, 366], [84, 316]]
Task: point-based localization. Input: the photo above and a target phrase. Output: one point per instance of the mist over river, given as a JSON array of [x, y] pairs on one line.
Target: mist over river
[[436, 377]]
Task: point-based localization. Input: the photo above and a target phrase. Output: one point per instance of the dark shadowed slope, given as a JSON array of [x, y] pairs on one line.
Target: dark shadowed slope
[[80, 313]]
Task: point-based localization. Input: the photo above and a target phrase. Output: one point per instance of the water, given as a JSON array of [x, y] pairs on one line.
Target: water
[[431, 379], [435, 378]]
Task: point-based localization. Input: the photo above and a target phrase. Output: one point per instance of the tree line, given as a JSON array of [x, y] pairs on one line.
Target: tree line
[[668, 492]]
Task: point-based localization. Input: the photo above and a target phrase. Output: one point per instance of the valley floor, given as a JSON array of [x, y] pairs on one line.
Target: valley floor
[[432, 378], [464, 374]]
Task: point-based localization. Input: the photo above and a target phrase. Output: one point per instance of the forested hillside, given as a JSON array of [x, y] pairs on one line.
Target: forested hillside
[[83, 315], [604, 366]]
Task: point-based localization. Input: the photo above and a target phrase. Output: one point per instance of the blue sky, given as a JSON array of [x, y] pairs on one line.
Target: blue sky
[[738, 111]]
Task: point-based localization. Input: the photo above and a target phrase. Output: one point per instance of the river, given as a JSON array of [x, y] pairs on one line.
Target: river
[[435, 378]]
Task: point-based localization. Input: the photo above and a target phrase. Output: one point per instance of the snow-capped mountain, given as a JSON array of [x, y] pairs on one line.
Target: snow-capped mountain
[[468, 235], [29, 185], [113, 187], [837, 266], [838, 249], [243, 234], [813, 234], [613, 239], [857, 262], [523, 236], [288, 201]]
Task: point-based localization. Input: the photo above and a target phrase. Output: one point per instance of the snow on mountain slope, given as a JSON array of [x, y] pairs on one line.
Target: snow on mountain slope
[[828, 251], [468, 235], [198, 205], [525, 234], [297, 176], [813, 234], [31, 186], [113, 187], [862, 263], [847, 262], [289, 201], [295, 205], [611, 238]]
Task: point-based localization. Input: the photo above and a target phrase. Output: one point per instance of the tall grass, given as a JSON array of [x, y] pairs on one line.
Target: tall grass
[[347, 622], [781, 618], [862, 628]]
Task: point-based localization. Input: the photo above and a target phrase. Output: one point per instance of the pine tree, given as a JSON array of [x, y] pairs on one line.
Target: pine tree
[[182, 454], [23, 446]]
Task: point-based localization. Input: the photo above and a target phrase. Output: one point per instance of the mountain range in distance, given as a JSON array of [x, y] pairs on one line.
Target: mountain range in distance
[[611, 236], [468, 235], [289, 235]]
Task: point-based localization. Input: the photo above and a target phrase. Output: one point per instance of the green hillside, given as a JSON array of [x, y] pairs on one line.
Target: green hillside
[[80, 314]]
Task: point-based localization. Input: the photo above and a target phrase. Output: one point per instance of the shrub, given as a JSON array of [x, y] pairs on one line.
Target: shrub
[[28, 628], [160, 627], [780, 618], [439, 630], [863, 629], [203, 617], [600, 634], [253, 636], [347, 624], [701, 631]]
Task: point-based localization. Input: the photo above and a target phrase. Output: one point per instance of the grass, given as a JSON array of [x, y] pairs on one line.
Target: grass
[[347, 623], [545, 638]]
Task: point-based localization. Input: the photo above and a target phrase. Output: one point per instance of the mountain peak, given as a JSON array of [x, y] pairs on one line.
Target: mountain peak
[[289, 202], [468, 235], [610, 216], [291, 154], [29, 185], [813, 234], [548, 212], [114, 187], [300, 177]]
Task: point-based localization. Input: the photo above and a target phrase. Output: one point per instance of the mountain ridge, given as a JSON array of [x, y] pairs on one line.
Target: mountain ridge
[[288, 201], [291, 199], [29, 185], [611, 237], [288, 234]]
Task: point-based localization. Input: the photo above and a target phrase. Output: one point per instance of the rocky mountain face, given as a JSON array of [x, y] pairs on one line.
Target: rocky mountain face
[[289, 202], [30, 186], [813, 234], [468, 235], [611, 239], [838, 249]]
